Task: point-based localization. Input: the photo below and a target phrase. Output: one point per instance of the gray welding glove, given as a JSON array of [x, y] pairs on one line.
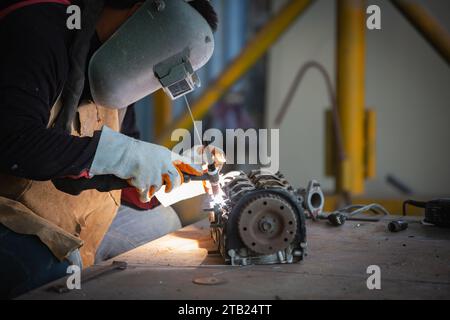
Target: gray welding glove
[[145, 166]]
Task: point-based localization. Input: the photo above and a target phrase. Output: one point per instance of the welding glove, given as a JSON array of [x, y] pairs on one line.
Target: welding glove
[[145, 166]]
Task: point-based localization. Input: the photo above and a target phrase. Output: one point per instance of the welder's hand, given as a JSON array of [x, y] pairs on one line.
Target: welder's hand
[[197, 154], [145, 166]]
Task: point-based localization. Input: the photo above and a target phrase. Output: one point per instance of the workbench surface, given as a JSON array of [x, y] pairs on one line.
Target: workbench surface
[[415, 264]]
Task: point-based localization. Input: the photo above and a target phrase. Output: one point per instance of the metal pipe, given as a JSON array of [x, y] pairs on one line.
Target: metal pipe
[[351, 24], [253, 51], [427, 25]]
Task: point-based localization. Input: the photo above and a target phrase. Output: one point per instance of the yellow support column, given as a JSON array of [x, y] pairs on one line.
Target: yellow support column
[[351, 24], [162, 112]]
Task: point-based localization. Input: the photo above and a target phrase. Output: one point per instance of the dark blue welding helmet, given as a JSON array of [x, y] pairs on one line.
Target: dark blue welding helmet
[[160, 46]]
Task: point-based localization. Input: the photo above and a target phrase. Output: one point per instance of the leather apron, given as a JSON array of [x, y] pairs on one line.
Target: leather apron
[[62, 221]]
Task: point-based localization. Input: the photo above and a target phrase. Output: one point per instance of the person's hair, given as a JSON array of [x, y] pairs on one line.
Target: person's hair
[[204, 7]]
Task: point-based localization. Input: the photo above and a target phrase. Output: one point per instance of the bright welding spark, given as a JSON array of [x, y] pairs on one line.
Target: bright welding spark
[[218, 199]]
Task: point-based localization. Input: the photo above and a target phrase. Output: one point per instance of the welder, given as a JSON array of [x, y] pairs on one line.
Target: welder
[[66, 116]]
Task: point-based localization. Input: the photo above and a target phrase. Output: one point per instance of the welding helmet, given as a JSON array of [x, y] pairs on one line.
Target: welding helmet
[[160, 46]]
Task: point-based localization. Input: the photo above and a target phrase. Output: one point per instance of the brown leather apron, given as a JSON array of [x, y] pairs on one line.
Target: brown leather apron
[[62, 221]]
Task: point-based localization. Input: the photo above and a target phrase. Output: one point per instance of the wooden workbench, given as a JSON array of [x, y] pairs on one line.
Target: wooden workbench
[[415, 264]]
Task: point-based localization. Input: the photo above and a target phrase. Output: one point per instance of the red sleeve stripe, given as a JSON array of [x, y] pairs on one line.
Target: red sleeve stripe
[[83, 175], [26, 3]]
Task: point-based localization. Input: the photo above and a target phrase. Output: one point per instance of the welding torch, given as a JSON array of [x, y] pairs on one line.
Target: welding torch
[[109, 182], [212, 175]]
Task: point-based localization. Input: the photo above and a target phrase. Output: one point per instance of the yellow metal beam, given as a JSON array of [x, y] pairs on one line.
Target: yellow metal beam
[[351, 24], [254, 50], [427, 25], [162, 112]]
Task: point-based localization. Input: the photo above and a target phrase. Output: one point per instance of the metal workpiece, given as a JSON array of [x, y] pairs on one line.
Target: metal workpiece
[[261, 220], [397, 225], [267, 224], [314, 200]]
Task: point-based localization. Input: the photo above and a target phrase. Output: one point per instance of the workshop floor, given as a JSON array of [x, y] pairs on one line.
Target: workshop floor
[[415, 264]]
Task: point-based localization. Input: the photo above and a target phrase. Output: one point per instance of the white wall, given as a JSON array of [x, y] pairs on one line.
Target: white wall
[[408, 85]]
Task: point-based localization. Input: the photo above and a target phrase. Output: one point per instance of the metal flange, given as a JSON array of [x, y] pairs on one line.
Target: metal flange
[[267, 224]]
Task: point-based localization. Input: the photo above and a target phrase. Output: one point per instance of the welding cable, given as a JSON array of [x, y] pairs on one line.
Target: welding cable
[[353, 210], [333, 101], [350, 213], [418, 204]]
